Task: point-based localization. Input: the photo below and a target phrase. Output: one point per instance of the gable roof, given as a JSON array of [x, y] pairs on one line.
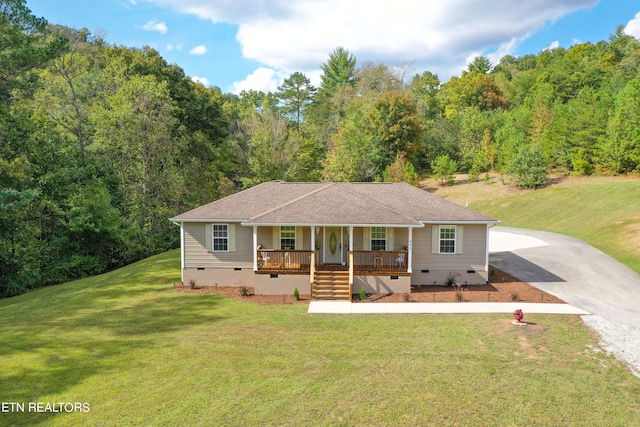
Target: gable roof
[[334, 203]]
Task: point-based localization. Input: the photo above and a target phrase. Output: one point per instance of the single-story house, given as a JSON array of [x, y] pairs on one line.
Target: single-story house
[[331, 239]]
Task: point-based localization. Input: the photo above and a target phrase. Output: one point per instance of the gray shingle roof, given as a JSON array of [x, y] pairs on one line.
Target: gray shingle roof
[[332, 203]]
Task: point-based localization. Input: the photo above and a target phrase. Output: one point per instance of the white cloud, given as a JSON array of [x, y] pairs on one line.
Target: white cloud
[[160, 27], [554, 45], [435, 36], [175, 47], [202, 80], [633, 27], [198, 50], [264, 79]]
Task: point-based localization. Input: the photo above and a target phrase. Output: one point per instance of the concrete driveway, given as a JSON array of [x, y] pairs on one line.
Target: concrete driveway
[[570, 269]]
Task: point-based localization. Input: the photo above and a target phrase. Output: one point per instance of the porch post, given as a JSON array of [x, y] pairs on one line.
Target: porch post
[[255, 248], [410, 247], [313, 238], [350, 242]]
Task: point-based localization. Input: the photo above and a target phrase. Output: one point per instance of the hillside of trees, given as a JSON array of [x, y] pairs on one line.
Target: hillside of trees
[[100, 144]]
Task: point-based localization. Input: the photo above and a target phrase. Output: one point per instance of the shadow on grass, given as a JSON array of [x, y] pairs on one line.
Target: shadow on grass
[[55, 339]]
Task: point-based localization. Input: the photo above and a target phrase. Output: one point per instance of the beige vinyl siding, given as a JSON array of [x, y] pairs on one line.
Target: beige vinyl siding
[[197, 254], [400, 239], [306, 239], [265, 237], [358, 236], [473, 257]]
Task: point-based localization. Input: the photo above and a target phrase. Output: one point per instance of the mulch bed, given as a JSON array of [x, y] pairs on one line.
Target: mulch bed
[[502, 288]]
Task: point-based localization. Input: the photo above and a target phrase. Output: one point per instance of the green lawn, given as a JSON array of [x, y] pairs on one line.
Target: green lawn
[[603, 211], [140, 353]]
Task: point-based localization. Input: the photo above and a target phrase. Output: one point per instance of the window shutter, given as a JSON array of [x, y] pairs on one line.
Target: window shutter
[[232, 237], [208, 236], [366, 239], [390, 242], [435, 239], [299, 238], [459, 238]]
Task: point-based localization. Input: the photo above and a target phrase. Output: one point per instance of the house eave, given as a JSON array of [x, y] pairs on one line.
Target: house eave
[[322, 224], [458, 222], [221, 220]]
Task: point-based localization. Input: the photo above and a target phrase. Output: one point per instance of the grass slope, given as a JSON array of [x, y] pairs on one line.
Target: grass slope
[[602, 211], [142, 354]]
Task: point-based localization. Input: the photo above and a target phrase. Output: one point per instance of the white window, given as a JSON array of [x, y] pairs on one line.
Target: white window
[[378, 238], [447, 239], [220, 235], [288, 237]]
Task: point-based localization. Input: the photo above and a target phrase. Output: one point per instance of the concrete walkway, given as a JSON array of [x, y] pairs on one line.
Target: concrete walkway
[[347, 307]]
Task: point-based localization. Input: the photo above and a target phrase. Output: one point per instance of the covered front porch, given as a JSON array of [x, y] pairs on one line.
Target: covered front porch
[[333, 261]]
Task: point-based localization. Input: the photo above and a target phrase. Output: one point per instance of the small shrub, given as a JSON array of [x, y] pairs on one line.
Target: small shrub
[[451, 279], [296, 294], [244, 291], [363, 294], [192, 283], [515, 296], [407, 297], [458, 288], [444, 169]]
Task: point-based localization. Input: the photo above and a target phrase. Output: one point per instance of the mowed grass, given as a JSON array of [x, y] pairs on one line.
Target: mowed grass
[[603, 211], [140, 353]]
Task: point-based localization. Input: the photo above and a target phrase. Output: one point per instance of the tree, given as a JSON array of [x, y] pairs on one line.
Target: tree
[[338, 71], [528, 167], [374, 81], [480, 64], [295, 93], [395, 127], [401, 170], [24, 44], [621, 149], [473, 90], [351, 152], [424, 89], [135, 134], [69, 87], [444, 169]]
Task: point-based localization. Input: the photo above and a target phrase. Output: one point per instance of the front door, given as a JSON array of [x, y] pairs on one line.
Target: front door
[[333, 245]]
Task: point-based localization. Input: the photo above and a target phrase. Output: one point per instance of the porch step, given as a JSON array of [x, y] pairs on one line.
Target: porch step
[[331, 285]]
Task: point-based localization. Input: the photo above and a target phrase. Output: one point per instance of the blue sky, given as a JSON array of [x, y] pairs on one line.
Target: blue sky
[[248, 44]]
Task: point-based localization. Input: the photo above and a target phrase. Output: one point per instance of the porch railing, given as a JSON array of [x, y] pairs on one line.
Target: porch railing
[[362, 261], [388, 261], [277, 259]]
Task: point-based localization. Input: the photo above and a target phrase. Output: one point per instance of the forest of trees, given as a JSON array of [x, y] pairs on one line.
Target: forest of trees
[[100, 144]]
